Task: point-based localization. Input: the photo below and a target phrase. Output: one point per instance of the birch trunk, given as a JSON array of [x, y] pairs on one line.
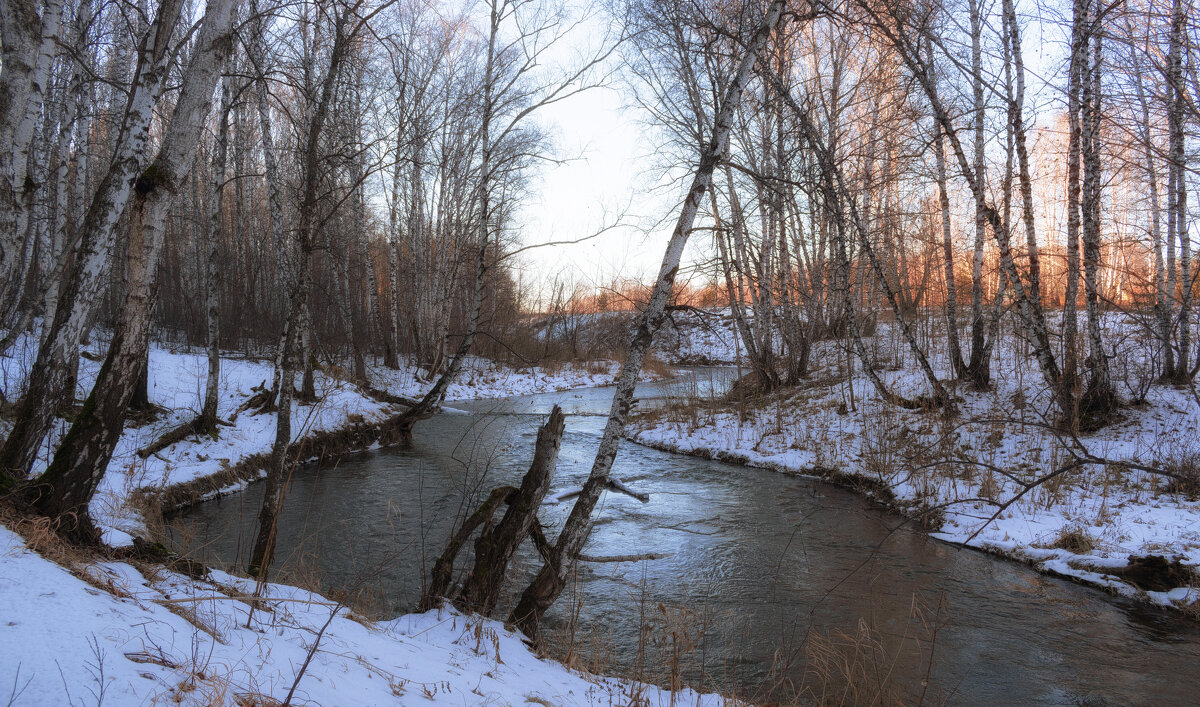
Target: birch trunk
[[956, 356], [1164, 301], [307, 227], [1099, 399], [82, 458], [1177, 216], [1029, 305], [437, 393], [550, 580], [65, 224], [52, 379], [978, 367], [29, 44], [1076, 72], [212, 308]]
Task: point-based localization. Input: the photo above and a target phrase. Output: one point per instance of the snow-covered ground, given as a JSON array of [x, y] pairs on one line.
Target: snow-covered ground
[[176, 383], [699, 337], [1084, 524], [482, 378], [130, 635], [149, 635]]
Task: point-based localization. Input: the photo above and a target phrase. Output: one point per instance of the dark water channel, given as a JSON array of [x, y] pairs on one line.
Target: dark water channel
[[759, 561]]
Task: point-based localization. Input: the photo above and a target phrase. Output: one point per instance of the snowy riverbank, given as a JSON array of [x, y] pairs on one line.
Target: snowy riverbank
[[91, 630], [176, 384], [117, 633], [967, 475]]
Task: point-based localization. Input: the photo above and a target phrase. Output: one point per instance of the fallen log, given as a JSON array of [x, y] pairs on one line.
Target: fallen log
[[194, 426], [384, 396], [612, 485], [616, 485], [625, 558]]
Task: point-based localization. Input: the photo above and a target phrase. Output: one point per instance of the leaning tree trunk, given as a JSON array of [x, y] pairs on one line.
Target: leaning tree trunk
[[277, 477], [309, 223], [81, 460], [551, 579], [429, 402]]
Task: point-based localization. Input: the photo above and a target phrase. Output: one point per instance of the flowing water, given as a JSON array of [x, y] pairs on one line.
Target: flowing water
[[759, 562]]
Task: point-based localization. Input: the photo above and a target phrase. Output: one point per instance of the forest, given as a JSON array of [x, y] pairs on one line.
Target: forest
[[938, 252]]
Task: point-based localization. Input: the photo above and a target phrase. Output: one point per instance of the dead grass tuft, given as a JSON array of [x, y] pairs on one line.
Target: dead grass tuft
[[1186, 476], [41, 535], [850, 668], [1074, 539]]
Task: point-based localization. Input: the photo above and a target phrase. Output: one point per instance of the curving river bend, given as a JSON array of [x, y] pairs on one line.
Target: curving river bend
[[759, 561]]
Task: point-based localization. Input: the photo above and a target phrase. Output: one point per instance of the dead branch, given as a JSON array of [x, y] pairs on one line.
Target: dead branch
[[625, 558]]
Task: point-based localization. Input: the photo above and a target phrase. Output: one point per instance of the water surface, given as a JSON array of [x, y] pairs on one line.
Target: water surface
[[759, 561]]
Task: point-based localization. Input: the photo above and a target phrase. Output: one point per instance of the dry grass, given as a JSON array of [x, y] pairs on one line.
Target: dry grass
[[1074, 539], [41, 536], [1186, 479]]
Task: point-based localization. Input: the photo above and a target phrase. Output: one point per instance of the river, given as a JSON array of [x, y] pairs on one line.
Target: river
[[759, 562]]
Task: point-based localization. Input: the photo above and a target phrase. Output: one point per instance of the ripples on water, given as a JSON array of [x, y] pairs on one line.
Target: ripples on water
[[760, 562]]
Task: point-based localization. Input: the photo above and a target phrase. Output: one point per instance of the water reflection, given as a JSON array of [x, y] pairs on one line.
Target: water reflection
[[759, 563]]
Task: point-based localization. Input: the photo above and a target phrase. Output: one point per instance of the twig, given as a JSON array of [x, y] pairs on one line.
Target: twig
[[312, 650]]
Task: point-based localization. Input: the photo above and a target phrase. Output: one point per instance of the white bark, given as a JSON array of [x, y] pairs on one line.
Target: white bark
[[52, 377], [83, 456], [29, 47], [546, 587]]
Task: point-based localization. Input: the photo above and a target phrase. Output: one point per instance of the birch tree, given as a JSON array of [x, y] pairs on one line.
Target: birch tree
[[51, 380], [551, 578], [82, 458]]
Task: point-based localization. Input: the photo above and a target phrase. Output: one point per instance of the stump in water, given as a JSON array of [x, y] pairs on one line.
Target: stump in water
[[494, 549], [495, 546], [443, 569]]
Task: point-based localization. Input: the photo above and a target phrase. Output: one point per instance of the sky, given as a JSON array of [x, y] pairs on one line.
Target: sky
[[610, 173], [605, 179]]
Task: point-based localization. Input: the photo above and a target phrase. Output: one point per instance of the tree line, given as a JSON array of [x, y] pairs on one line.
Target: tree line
[[316, 182], [336, 179]]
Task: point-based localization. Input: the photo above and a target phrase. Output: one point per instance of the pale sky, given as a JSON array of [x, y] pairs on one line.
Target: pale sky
[[612, 168]]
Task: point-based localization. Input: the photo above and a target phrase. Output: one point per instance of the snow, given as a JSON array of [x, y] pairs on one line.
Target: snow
[[699, 337], [482, 378], [968, 464], [130, 636], [91, 631], [176, 383]]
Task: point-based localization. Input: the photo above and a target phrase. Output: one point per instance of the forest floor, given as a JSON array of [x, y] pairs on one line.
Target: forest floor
[[971, 477], [85, 628]]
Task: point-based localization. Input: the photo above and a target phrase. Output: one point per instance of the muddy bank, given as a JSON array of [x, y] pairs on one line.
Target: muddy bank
[[318, 447]]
